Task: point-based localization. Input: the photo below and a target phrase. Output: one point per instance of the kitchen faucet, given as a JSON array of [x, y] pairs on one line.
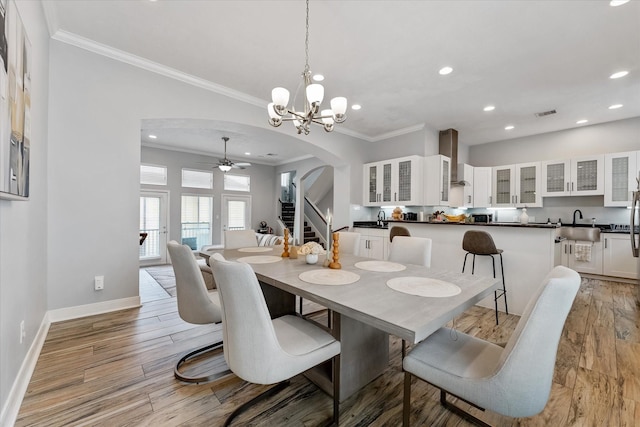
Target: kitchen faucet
[[381, 217], [574, 216]]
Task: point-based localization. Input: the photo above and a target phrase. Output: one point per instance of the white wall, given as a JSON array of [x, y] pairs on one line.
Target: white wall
[[612, 137], [23, 224], [263, 180]]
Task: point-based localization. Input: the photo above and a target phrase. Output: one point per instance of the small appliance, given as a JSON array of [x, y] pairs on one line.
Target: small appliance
[[482, 218], [411, 216]]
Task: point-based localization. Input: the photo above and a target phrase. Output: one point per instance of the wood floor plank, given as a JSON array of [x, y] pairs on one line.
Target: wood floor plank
[[116, 369]]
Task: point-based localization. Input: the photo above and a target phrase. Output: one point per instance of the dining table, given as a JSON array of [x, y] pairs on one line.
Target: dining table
[[368, 300]]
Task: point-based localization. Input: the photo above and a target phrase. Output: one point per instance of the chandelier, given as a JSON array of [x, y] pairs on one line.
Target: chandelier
[[313, 96]]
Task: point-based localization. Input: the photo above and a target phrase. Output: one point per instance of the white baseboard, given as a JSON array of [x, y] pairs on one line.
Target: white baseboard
[[19, 388], [11, 408], [92, 309]]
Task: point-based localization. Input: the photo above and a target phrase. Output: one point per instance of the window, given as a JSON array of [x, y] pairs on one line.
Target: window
[[236, 214], [237, 182], [197, 179], [153, 175], [196, 219]]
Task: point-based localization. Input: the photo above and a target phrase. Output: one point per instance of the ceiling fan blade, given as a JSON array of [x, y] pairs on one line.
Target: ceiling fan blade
[[242, 164]]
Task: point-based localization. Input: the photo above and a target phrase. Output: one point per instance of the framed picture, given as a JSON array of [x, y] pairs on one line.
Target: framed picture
[[15, 104]]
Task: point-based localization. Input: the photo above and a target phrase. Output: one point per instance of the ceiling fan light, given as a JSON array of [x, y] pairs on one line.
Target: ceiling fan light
[[315, 93], [224, 168]]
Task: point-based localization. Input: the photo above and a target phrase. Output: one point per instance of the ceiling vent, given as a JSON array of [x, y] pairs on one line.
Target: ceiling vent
[[546, 113]]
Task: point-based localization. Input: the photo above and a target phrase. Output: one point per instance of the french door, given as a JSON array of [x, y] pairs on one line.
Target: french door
[[153, 221], [236, 213]]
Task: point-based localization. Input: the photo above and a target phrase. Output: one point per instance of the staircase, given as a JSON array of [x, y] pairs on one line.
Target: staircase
[[287, 215]]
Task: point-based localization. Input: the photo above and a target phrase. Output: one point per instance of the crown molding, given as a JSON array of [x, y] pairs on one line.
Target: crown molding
[[398, 132], [154, 67], [51, 16]]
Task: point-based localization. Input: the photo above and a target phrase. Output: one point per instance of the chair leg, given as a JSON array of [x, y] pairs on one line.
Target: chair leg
[[465, 261], [262, 396], [504, 287], [194, 353], [461, 412], [406, 400], [336, 390], [473, 265]]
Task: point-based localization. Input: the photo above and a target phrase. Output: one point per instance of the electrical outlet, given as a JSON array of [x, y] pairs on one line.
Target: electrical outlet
[[99, 283], [23, 334]]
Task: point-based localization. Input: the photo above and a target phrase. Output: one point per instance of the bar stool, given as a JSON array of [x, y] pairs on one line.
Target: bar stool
[[396, 230], [477, 242]]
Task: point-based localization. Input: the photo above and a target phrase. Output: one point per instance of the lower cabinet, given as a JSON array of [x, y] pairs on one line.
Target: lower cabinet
[[617, 258], [374, 242], [576, 256]]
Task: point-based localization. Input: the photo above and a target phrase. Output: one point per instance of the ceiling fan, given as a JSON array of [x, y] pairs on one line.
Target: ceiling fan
[[225, 164]]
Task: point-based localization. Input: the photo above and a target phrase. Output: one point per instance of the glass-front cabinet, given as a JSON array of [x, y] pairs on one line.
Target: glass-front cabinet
[[393, 182], [517, 185], [620, 172], [573, 177], [437, 180]]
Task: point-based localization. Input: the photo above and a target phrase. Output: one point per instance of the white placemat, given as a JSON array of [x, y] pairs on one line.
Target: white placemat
[[327, 276], [256, 249], [380, 266], [260, 259], [423, 286]]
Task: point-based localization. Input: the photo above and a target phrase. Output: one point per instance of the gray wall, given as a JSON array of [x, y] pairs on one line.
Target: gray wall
[[263, 184], [23, 224]]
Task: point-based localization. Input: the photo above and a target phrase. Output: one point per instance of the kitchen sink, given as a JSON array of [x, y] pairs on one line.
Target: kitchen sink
[[590, 234]]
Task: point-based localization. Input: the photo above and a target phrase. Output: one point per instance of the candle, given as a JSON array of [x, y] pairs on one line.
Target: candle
[[328, 218]]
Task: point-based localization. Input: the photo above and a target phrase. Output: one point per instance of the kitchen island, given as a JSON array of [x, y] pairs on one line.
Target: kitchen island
[[529, 254]]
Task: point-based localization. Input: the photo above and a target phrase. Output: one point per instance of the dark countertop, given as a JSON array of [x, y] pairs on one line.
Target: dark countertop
[[604, 228]]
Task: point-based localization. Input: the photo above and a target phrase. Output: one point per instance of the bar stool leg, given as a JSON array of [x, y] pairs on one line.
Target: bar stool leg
[[465, 261], [504, 287], [473, 265]]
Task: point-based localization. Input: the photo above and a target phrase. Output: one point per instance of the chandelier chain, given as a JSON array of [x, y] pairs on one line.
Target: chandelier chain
[[306, 42]]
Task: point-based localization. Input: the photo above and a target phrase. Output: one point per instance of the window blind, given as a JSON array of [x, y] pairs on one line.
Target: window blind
[[197, 179], [153, 175], [237, 182]]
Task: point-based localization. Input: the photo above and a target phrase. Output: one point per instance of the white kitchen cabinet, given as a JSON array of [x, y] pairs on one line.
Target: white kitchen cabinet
[[569, 258], [461, 196], [482, 187], [517, 185], [620, 173], [437, 180], [618, 260], [582, 176], [373, 242], [393, 182]]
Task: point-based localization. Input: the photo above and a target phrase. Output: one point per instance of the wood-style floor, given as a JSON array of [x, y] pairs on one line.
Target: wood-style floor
[[117, 370]]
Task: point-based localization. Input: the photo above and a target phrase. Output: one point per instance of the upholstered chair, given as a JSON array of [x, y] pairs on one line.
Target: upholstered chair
[[196, 304], [235, 239], [262, 350], [411, 250], [514, 381], [349, 242], [396, 230]]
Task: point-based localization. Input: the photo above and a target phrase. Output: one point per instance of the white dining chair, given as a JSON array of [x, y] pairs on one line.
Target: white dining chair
[[262, 350], [514, 381], [349, 242], [236, 239], [410, 250], [196, 304]]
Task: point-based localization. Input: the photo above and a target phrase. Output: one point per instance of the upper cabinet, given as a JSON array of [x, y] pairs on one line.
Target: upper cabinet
[[482, 187], [575, 177], [393, 182], [620, 173], [437, 180], [461, 196], [517, 185]]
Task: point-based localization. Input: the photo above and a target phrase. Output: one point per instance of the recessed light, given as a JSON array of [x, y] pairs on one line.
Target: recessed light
[[618, 74], [615, 106], [318, 77], [247, 154], [445, 70], [615, 3], [356, 106], [153, 137], [581, 122], [489, 108], [509, 127]]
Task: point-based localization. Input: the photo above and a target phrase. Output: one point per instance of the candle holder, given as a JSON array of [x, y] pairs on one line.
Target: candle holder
[[285, 252], [335, 264]]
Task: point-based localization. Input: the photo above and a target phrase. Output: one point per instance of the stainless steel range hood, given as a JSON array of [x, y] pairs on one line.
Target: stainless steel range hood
[[449, 148]]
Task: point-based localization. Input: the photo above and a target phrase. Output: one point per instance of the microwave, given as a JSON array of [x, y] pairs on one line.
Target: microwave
[[482, 217]]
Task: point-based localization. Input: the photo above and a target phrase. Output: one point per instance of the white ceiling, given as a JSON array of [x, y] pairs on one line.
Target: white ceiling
[[523, 57]]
